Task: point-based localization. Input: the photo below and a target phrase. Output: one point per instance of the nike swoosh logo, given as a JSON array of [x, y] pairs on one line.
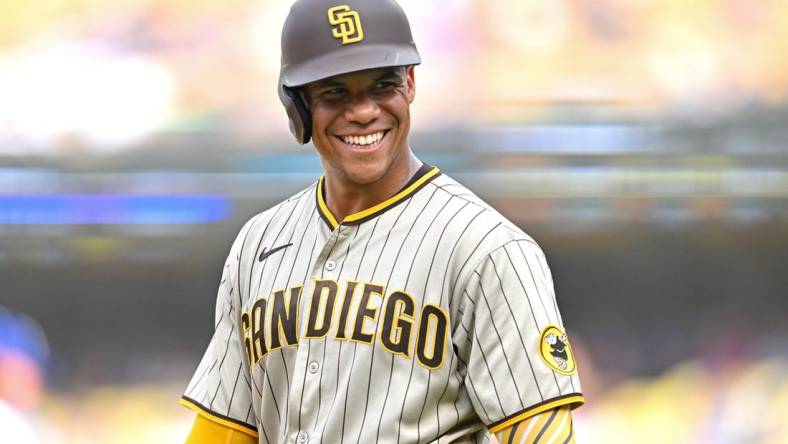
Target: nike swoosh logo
[[267, 253]]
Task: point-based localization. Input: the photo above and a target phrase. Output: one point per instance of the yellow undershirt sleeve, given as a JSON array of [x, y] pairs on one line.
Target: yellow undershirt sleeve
[[205, 431], [554, 426]]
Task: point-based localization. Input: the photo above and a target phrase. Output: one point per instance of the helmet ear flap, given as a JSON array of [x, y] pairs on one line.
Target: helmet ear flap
[[298, 113]]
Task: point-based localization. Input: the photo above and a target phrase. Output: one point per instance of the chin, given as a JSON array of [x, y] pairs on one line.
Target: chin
[[367, 173]]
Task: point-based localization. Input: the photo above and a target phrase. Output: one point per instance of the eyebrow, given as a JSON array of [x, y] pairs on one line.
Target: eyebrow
[[394, 71]]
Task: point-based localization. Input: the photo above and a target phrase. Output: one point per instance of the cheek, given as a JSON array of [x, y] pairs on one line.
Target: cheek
[[401, 110], [323, 114], [318, 119]]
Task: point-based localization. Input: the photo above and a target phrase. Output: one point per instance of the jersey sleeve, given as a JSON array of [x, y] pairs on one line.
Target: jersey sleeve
[[220, 389], [511, 340]]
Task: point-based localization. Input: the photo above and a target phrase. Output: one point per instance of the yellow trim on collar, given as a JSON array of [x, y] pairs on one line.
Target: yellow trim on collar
[[200, 410], [322, 203], [377, 208]]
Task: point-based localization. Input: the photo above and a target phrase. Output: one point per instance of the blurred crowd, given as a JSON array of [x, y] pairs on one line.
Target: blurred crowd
[[210, 65], [24, 354], [692, 403]]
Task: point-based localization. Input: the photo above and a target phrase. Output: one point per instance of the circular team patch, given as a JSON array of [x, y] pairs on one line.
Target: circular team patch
[[556, 352]]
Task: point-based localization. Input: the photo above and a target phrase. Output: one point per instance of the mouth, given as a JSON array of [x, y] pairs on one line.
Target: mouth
[[368, 141]]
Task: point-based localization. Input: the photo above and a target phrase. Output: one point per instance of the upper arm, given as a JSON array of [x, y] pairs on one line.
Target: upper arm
[[220, 388], [511, 340]]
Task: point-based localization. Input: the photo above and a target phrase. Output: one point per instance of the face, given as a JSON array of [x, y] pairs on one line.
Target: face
[[360, 124]]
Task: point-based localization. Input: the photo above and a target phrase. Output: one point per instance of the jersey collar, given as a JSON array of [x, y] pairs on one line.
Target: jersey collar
[[422, 177]]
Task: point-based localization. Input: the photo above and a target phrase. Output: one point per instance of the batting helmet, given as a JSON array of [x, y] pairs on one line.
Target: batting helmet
[[325, 38]]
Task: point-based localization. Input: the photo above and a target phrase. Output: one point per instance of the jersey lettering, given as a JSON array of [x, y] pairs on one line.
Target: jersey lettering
[[280, 317], [323, 298], [398, 323], [284, 318], [366, 312], [432, 336]]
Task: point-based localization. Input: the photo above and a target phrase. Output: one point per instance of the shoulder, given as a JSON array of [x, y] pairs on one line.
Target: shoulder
[[473, 230], [269, 222], [478, 219], [278, 215]]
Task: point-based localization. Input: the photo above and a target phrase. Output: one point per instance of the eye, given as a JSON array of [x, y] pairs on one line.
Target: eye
[[332, 92], [385, 85]]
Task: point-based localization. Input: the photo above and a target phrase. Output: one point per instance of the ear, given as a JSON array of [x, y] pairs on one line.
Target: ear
[[411, 80]]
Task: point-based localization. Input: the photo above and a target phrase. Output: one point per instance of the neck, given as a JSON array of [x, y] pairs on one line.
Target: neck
[[345, 197]]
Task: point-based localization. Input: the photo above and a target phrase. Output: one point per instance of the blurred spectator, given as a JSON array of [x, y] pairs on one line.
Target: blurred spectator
[[23, 358]]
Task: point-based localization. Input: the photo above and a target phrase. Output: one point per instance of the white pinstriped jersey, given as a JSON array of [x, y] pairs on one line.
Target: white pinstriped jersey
[[418, 320]]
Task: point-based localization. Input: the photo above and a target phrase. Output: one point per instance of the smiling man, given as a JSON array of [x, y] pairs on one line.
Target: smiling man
[[386, 302]]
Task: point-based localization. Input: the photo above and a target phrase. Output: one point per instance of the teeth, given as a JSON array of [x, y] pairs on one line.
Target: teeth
[[369, 139]]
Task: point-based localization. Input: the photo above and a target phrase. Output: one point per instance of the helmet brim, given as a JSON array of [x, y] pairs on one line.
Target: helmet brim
[[348, 60]]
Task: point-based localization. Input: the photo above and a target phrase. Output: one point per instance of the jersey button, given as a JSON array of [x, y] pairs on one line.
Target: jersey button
[[302, 438], [313, 367], [331, 265]]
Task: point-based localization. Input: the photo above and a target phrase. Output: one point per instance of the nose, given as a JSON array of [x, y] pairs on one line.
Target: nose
[[362, 109]]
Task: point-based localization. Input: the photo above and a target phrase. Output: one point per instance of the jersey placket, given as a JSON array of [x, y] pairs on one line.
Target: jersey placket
[[306, 373]]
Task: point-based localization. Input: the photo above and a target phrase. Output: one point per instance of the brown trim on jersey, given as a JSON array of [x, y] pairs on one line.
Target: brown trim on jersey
[[576, 399], [322, 208], [423, 169], [218, 418], [423, 176]]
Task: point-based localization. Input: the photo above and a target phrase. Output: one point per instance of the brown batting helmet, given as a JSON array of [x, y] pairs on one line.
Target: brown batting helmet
[[325, 38]]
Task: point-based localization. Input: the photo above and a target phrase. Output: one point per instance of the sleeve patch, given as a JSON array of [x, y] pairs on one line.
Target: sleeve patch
[[556, 352]]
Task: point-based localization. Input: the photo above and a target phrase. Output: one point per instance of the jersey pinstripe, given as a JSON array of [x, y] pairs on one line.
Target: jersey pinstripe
[[418, 320]]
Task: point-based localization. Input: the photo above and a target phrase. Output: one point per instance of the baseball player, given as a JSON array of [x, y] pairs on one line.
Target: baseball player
[[386, 302]]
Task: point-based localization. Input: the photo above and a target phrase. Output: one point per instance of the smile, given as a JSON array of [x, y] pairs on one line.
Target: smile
[[363, 140]]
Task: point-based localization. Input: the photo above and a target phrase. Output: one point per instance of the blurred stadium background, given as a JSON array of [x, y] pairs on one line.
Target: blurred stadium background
[[643, 143]]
